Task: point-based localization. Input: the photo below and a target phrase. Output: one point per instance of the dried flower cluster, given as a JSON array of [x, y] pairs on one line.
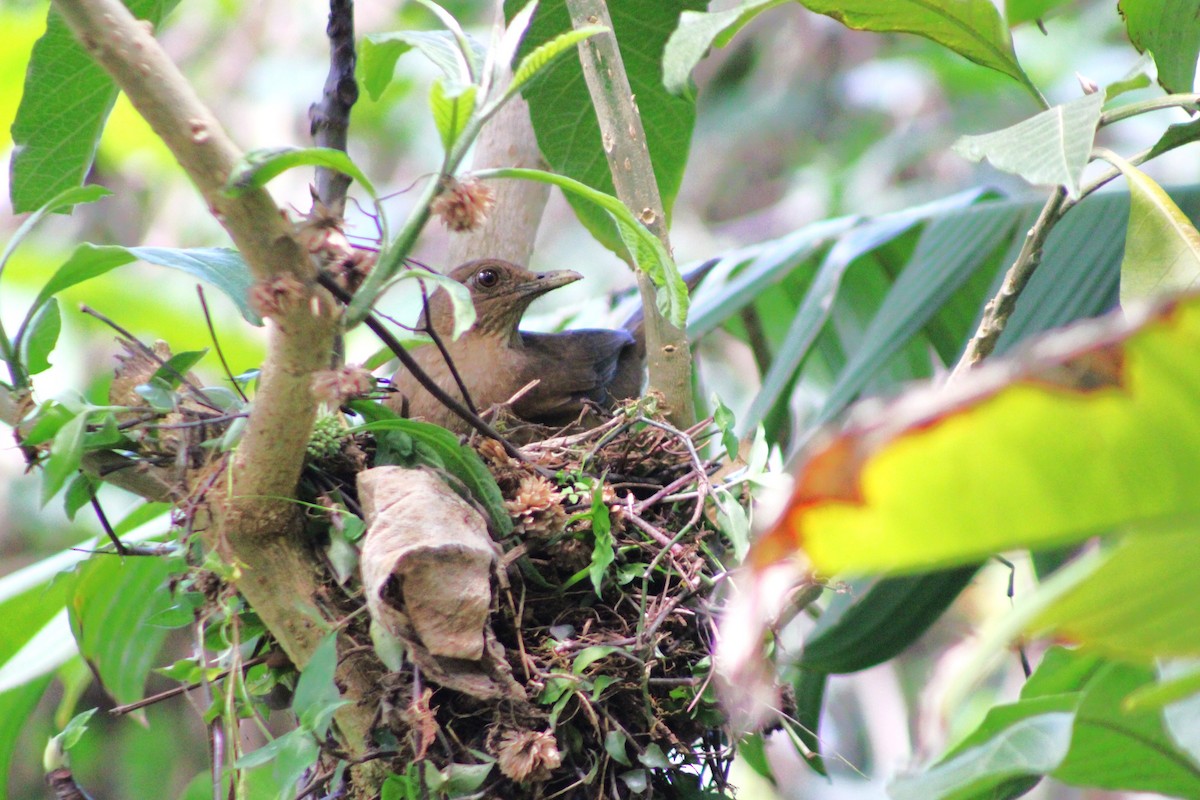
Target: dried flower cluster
[[278, 296], [336, 386], [537, 507], [528, 755], [463, 205]]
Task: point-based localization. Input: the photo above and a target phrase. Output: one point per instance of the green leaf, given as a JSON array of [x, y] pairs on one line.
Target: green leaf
[[971, 28], [68, 198], [763, 267], [615, 742], [1134, 603], [1175, 136], [316, 695], [949, 252], [110, 604], [590, 655], [878, 618], [547, 53], [65, 103], [1170, 30], [38, 340], [1138, 77], [1030, 745], [1091, 430], [258, 167], [87, 262], [79, 493], [654, 757], [700, 31], [975, 768], [459, 460], [603, 552], [17, 707], [1178, 679], [724, 420], [177, 366], [565, 122], [219, 266], [73, 732], [1162, 247], [464, 780], [733, 522], [1122, 750], [452, 110], [814, 311], [652, 257], [159, 394], [809, 687], [380, 51], [1048, 149], [65, 454]]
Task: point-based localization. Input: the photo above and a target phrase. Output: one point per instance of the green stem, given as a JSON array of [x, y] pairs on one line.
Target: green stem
[[1190, 102]]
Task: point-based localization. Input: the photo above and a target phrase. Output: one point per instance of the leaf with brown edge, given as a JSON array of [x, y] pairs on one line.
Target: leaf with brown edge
[[1092, 428]]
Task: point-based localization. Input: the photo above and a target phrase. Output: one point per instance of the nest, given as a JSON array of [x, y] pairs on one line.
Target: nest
[[565, 653], [593, 676]]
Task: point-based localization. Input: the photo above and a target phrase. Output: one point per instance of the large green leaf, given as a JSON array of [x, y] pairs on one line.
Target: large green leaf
[[759, 268], [877, 618], [1094, 428], [565, 121], [437, 447], [1170, 30], [1135, 603], [1114, 748], [111, 604], [971, 28], [219, 266], [813, 313], [16, 708], [950, 251], [1048, 149], [1070, 723], [64, 106], [1162, 247]]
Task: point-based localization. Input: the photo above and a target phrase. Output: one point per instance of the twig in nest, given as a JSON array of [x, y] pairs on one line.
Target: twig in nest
[[149, 353], [178, 690], [432, 333], [108, 529], [212, 334]]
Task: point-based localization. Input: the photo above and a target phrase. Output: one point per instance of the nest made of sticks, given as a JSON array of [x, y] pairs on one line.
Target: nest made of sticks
[[594, 678]]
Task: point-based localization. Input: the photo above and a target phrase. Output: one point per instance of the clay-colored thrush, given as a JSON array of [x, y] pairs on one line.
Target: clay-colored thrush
[[495, 359]]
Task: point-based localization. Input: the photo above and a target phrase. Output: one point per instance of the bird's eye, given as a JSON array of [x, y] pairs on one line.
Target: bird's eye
[[487, 278]]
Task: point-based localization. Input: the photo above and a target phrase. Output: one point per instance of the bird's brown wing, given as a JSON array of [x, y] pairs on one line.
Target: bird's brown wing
[[575, 366]]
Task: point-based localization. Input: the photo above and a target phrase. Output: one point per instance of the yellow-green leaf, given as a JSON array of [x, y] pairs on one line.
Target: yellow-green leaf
[[1094, 428], [452, 109], [1162, 247]]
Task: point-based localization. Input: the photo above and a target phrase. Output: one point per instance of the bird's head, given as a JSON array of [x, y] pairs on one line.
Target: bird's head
[[501, 292]]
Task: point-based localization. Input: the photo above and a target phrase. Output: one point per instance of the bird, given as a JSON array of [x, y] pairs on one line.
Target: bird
[[495, 359]]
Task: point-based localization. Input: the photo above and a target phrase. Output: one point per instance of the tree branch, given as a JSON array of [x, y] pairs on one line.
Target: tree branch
[[329, 120], [668, 358], [256, 524], [1000, 308]]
